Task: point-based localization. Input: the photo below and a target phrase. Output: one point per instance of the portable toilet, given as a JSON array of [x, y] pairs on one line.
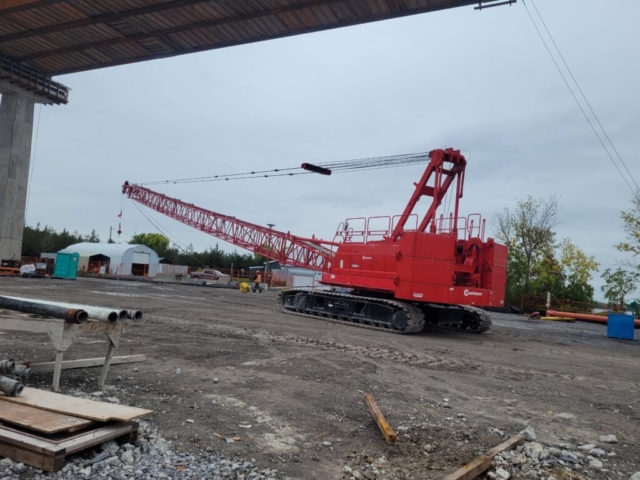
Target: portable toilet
[[66, 266]]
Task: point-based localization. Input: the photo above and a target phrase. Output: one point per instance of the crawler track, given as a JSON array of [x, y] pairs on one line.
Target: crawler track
[[476, 320], [413, 318], [350, 310]]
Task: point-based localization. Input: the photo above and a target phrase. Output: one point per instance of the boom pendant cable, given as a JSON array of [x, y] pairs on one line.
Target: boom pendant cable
[[330, 168]]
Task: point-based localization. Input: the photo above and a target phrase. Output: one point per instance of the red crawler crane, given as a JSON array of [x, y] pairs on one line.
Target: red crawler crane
[[401, 272]]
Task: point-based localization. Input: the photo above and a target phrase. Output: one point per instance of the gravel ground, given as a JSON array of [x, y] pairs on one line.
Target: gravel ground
[[222, 365]]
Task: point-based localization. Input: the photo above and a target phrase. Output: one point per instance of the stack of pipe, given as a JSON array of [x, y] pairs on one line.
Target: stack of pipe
[[13, 377], [95, 313]]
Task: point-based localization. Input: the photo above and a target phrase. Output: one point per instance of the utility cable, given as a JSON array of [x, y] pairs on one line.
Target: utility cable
[[584, 96], [577, 101]]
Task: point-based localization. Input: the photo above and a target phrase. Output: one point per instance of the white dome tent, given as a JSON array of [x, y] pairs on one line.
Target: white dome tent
[[117, 259]]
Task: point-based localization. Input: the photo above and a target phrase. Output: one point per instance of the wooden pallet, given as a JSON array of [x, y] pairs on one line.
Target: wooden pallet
[[49, 452]]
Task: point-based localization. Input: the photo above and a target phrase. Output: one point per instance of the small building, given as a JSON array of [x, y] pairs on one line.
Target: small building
[[288, 276], [271, 265], [115, 258]]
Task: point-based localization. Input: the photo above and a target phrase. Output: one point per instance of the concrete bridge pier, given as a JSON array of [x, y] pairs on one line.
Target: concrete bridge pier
[[16, 130]]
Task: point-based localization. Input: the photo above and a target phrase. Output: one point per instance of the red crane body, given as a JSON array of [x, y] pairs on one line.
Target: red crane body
[[432, 262], [440, 260]]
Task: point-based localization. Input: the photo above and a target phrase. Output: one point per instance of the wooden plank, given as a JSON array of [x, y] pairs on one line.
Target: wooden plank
[[40, 420], [474, 468], [372, 406], [77, 407], [510, 444], [87, 362]]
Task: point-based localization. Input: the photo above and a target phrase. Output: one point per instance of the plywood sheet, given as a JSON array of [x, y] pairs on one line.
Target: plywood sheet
[[40, 420], [76, 407]]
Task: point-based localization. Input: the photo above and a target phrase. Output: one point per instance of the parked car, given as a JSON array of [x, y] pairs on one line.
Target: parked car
[[207, 274]]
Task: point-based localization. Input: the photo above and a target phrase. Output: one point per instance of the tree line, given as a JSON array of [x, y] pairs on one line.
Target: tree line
[[538, 263], [38, 240]]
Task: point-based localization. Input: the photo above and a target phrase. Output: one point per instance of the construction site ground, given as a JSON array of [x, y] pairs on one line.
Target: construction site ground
[[221, 364]]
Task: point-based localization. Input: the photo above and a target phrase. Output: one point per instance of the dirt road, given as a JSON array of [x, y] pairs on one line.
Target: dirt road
[[299, 382]]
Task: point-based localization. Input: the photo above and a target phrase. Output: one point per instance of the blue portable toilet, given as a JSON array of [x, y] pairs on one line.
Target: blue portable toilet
[[620, 325], [66, 266]]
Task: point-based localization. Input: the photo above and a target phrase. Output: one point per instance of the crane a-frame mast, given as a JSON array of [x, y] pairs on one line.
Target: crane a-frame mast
[[288, 249]]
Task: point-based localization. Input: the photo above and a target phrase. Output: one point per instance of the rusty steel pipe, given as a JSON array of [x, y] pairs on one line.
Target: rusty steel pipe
[[70, 315], [97, 313], [584, 317], [11, 387]]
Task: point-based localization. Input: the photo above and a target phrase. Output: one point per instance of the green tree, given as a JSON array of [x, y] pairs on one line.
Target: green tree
[[548, 275], [537, 264], [578, 269], [155, 241], [619, 284], [631, 225], [527, 230], [93, 237]]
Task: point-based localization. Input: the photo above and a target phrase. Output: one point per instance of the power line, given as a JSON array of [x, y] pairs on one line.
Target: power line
[[577, 101], [584, 96]]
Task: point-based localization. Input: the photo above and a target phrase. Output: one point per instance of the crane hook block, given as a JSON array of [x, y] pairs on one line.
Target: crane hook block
[[315, 169]]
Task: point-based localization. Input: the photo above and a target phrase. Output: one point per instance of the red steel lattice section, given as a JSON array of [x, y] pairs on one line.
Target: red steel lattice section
[[287, 249]]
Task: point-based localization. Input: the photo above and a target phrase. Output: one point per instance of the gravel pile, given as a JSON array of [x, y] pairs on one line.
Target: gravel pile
[[534, 460], [152, 457], [425, 449], [438, 448]]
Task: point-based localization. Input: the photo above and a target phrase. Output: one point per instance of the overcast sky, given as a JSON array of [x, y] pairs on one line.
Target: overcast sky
[[477, 81]]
